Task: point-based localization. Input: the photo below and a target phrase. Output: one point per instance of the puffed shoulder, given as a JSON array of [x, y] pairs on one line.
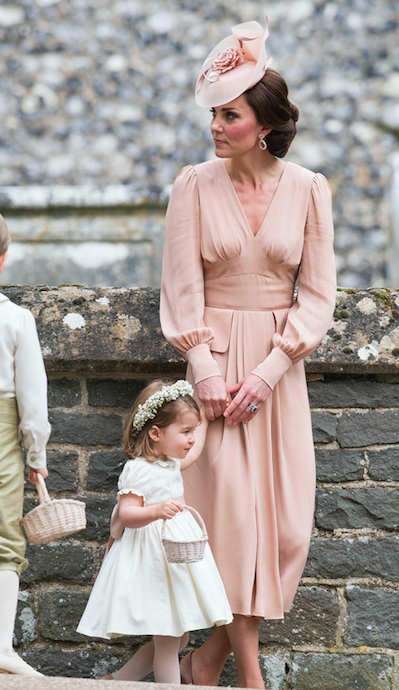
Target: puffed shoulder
[[319, 219], [186, 177], [320, 186], [135, 478]]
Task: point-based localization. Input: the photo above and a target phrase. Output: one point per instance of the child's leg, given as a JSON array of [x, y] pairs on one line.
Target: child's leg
[[139, 666], [166, 659], [9, 585], [141, 663]]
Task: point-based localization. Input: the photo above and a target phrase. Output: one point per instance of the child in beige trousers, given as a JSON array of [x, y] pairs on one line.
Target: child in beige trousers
[[23, 407]]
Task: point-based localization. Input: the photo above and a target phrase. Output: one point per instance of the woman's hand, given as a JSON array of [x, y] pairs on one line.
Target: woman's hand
[[250, 391], [168, 509], [32, 474], [214, 395]]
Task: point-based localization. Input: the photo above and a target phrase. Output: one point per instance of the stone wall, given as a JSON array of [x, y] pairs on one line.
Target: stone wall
[[100, 347], [98, 95]]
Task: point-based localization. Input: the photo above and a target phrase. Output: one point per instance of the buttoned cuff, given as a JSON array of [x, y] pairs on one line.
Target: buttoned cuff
[[37, 460], [273, 367], [202, 362]]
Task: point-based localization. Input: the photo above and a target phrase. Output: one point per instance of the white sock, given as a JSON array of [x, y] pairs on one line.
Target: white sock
[[166, 659], [142, 663], [139, 666], [9, 586]]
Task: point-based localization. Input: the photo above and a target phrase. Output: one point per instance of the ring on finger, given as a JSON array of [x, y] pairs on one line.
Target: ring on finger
[[253, 408]]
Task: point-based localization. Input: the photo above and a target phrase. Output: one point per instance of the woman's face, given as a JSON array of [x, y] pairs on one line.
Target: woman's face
[[235, 128]]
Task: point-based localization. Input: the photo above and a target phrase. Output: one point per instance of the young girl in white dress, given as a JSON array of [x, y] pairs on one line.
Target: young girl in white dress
[[137, 592]]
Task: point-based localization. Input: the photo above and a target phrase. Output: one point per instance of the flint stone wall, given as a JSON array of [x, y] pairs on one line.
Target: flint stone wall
[[100, 347], [97, 96]]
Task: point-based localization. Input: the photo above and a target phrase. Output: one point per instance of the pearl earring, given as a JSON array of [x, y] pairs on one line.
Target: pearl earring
[[262, 143]]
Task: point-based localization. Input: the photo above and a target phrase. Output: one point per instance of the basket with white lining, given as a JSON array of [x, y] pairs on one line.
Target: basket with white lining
[[53, 519], [185, 551]]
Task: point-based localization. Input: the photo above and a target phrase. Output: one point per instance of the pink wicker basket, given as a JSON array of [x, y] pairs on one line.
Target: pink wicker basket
[[185, 551], [53, 519]]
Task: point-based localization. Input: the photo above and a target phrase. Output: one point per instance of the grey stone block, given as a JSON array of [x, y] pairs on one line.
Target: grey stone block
[[25, 621], [357, 508], [312, 620], [372, 617], [336, 465], [59, 614], [63, 393], [62, 467], [363, 428], [324, 426], [114, 393], [375, 507], [384, 464], [357, 557], [314, 671], [275, 665], [86, 430], [98, 514], [86, 662], [353, 393], [104, 469], [61, 561]]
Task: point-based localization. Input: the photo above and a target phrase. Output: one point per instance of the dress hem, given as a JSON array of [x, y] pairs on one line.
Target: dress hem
[[112, 635]]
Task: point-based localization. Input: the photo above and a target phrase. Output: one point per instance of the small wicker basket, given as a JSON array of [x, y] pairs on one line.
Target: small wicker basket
[[185, 551], [53, 519]]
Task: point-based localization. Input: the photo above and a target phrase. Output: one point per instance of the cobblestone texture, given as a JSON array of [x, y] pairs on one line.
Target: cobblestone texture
[[101, 94]]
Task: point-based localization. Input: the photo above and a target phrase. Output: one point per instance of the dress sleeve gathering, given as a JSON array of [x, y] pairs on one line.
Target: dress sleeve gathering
[[309, 318], [135, 479], [182, 288], [31, 393]]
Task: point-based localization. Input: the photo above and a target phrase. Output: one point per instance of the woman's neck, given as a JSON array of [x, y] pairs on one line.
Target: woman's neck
[[254, 167]]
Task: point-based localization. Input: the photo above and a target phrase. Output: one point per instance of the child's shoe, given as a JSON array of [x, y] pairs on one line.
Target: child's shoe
[[12, 663]]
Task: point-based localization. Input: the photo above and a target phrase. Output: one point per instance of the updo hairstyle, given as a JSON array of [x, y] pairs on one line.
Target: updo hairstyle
[[4, 236], [140, 445], [269, 101]]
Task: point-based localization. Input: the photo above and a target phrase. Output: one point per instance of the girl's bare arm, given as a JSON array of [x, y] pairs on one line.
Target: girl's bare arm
[[134, 514]]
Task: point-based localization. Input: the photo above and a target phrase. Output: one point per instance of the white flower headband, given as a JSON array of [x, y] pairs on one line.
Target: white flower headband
[[148, 410]]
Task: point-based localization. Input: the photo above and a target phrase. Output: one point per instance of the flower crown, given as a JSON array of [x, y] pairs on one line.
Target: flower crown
[[148, 410]]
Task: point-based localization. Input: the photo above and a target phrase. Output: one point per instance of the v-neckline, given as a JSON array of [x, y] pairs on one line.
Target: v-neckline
[[254, 235]]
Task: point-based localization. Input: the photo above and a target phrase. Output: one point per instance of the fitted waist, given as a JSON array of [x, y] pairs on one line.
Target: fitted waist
[[8, 411], [248, 292]]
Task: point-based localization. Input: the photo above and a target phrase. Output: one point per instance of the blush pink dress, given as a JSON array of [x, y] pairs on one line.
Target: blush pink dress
[[227, 304]]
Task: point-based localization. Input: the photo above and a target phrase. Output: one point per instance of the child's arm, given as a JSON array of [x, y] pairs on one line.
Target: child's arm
[[134, 514], [31, 395], [200, 435]]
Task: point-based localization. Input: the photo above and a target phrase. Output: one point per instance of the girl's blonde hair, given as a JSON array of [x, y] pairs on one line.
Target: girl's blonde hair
[[140, 445]]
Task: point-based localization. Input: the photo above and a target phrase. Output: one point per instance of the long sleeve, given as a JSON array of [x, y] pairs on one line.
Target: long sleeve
[[309, 318], [182, 288], [31, 393]]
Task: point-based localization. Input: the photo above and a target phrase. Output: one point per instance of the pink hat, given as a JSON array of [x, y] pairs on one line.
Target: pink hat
[[235, 65]]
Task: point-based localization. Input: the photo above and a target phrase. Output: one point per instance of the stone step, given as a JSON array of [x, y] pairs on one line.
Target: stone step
[[14, 682]]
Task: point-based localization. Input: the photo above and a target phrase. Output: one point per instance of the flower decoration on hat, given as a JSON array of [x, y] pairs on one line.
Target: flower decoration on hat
[[227, 59], [235, 65]]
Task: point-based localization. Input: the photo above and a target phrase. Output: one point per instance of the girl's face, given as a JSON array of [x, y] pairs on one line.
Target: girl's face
[[235, 128], [177, 439]]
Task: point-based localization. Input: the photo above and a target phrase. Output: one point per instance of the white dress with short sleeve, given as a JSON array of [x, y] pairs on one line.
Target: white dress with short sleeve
[[137, 592]]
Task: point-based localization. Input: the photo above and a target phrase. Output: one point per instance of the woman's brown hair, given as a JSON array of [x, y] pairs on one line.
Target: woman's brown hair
[[269, 101], [140, 445]]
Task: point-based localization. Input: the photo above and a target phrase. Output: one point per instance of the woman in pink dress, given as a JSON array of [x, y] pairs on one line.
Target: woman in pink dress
[[240, 232]]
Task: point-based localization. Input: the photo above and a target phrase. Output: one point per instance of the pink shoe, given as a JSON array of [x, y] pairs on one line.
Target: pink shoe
[[186, 670]]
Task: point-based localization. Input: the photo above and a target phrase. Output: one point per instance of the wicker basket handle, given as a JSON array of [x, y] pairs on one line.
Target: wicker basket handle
[[198, 518], [42, 490]]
